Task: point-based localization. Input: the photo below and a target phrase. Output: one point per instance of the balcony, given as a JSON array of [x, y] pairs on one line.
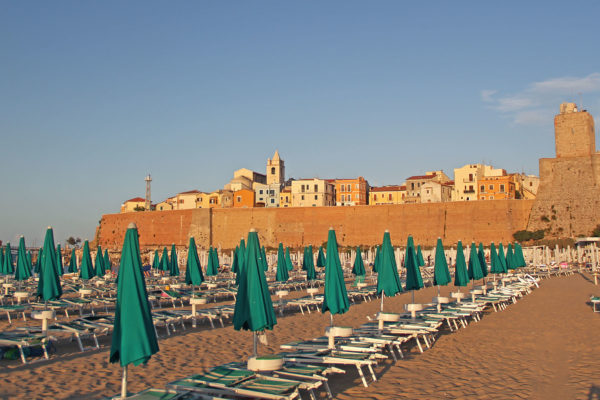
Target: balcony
[[469, 190]]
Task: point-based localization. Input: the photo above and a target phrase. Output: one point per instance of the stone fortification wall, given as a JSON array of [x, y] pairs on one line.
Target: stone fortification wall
[[484, 221]]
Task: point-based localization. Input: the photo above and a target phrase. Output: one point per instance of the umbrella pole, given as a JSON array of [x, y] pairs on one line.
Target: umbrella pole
[[382, 296], [330, 319], [255, 340], [438, 287], [413, 296], [124, 383]]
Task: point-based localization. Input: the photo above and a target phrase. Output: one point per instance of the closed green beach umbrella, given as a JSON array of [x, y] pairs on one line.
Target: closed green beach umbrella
[[502, 258], [133, 337], [7, 265], [107, 263], [281, 274], [414, 281], [99, 263], [164, 260], [174, 264], [420, 260], [335, 299], [321, 258], [495, 266], [215, 255], [211, 267], [38, 261], [510, 258], [263, 253], [359, 266], [59, 260], [49, 287], [73, 262], [388, 280], [305, 259], [253, 306], [474, 269], [311, 274], [441, 273], [193, 271], [23, 270], [86, 270], [1, 259], [235, 262], [288, 259], [519, 258], [461, 276], [377, 258], [29, 260], [482, 262], [156, 261]]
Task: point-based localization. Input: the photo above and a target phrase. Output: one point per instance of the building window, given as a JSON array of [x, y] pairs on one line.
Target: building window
[[316, 188], [502, 188], [343, 197], [239, 199], [260, 191], [482, 197], [390, 197], [483, 188], [302, 188], [412, 186], [302, 198], [491, 197], [272, 170], [342, 187], [491, 187], [287, 199], [375, 197], [470, 177], [316, 197]]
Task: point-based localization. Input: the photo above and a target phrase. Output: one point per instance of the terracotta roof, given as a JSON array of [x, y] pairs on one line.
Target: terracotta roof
[[391, 188], [135, 200], [421, 177], [191, 192]]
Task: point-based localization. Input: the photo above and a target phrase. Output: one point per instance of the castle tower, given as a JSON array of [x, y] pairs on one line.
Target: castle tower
[[574, 132], [275, 170]]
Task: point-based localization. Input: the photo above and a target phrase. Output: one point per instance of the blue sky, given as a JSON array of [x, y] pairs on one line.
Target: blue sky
[[97, 94]]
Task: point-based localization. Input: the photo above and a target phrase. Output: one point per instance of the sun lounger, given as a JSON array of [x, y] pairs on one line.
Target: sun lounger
[[22, 340]]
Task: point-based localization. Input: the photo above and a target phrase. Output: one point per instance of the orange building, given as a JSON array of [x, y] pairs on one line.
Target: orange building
[[243, 198], [496, 188], [351, 192]]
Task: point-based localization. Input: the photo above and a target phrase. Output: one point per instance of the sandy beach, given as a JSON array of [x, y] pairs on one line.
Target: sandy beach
[[543, 347]]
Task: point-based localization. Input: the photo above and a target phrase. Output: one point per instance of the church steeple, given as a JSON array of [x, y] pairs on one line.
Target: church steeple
[[275, 169]]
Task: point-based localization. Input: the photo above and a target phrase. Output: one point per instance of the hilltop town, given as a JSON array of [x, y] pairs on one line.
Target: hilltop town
[[248, 189]]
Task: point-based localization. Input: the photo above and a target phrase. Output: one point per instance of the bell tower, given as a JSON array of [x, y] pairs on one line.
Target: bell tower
[[275, 170]]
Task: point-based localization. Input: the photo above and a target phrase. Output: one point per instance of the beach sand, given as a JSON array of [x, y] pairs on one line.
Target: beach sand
[[543, 347]]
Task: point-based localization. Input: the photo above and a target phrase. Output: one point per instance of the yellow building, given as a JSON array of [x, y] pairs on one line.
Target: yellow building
[[285, 197], [393, 194], [164, 206], [217, 199], [135, 204], [313, 193], [466, 180]]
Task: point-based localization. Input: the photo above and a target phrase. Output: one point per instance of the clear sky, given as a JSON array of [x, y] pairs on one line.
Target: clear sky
[[96, 94]]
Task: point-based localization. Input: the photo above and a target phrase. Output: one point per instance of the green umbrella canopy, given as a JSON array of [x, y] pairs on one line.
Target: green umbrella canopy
[[193, 271], [86, 270], [1, 259], [461, 276], [215, 255], [253, 306], [495, 267], [519, 258], [311, 274], [174, 270], [335, 296], [49, 281], [414, 281], [211, 267], [420, 259], [282, 272], [510, 258], [73, 262], [99, 263], [59, 260], [502, 259], [235, 261], [164, 260], [38, 261], [482, 262], [156, 261], [133, 338], [288, 259], [7, 265], [29, 264], [377, 258], [23, 270], [474, 270], [359, 266], [263, 258], [321, 258], [311, 259], [388, 280], [107, 264], [441, 274], [305, 260]]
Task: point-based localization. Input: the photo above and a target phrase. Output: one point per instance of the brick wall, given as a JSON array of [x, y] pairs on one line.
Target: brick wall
[[484, 221]]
